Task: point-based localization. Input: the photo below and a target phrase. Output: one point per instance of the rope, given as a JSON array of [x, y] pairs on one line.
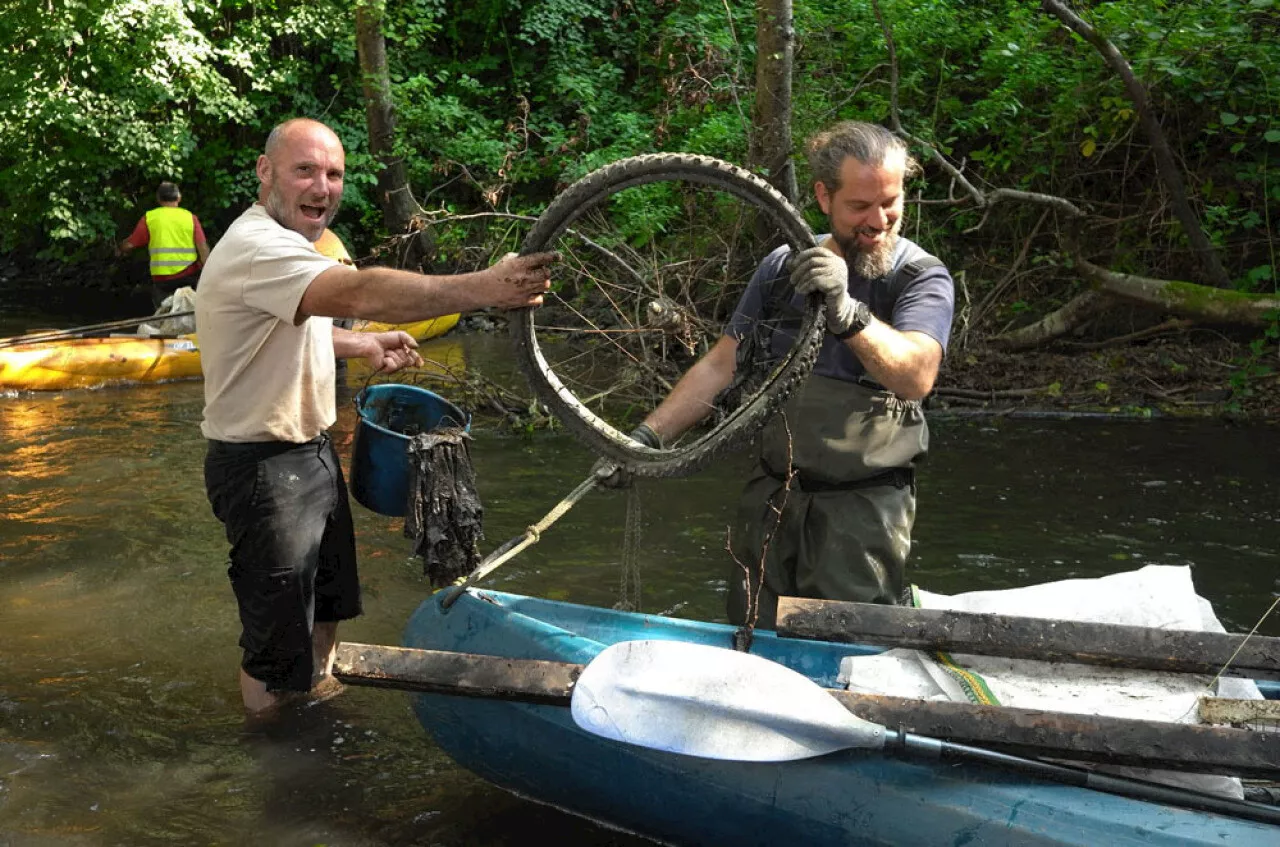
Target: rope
[[629, 589], [1213, 682], [530, 537]]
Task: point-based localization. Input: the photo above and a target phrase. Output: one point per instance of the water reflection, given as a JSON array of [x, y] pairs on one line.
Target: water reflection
[[119, 716], [1014, 502]]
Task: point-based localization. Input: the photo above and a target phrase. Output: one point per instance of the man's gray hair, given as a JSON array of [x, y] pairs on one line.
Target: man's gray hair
[[167, 192], [868, 143]]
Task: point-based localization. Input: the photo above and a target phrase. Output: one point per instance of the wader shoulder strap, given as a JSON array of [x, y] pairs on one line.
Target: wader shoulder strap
[[908, 272]]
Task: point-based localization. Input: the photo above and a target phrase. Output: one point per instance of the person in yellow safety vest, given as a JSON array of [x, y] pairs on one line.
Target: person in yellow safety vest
[[175, 241]]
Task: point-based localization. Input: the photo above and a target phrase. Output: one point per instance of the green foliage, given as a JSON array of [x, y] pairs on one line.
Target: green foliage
[[1006, 89], [560, 87], [102, 99], [503, 102], [1261, 361]]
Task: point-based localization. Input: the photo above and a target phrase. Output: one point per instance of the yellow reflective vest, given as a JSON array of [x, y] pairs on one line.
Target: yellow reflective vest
[[173, 241]]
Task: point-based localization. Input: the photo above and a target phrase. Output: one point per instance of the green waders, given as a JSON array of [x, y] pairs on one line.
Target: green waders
[[842, 529]]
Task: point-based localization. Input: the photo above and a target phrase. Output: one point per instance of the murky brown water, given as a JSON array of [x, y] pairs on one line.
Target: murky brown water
[[119, 713]]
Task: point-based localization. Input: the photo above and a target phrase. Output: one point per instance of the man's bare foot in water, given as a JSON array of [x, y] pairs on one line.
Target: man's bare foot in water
[[326, 688]]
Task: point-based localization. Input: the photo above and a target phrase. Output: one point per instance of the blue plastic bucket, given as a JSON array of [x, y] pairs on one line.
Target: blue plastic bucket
[[388, 416]]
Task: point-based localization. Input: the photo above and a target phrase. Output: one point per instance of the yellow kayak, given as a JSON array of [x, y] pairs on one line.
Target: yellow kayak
[[421, 330], [90, 362], [126, 359]]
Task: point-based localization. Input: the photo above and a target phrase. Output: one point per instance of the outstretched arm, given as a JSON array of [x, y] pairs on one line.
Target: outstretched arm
[[385, 294], [692, 398], [138, 238]]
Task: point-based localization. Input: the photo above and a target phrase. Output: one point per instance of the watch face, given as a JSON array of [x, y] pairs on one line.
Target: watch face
[[861, 316]]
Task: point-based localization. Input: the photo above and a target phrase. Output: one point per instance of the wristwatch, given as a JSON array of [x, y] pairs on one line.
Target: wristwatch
[[861, 317]]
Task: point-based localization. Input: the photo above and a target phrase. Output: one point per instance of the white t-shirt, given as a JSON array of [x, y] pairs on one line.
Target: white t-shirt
[[265, 379]]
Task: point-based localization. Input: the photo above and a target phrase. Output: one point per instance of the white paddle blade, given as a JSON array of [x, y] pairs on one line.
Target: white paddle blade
[[714, 703]]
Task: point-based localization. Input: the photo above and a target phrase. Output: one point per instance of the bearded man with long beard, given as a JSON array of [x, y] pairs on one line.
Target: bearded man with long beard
[[850, 437], [265, 316]]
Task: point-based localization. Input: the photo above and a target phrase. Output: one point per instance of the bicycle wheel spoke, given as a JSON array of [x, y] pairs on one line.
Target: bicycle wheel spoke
[[657, 252]]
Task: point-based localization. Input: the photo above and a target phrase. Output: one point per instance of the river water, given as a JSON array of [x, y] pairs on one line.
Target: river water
[[119, 714]]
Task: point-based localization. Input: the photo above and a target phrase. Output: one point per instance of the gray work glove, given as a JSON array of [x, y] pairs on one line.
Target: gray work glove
[[610, 475], [818, 269]]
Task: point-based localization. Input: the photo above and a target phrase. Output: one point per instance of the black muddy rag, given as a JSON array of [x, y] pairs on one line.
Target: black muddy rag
[[444, 515]]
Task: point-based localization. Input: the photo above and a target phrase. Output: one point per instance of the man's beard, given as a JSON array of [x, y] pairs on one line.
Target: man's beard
[[277, 209], [873, 263]]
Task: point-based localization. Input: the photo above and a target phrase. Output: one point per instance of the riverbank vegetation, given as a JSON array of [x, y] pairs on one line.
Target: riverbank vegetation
[[1102, 178]]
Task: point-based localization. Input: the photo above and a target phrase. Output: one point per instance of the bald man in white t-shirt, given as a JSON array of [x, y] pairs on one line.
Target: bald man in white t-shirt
[[267, 347]]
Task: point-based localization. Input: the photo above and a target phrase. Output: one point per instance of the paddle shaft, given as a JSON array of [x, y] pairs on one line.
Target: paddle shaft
[[915, 746], [515, 546], [1094, 738], [74, 332]]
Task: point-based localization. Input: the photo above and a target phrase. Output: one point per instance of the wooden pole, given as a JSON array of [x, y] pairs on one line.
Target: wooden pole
[[1092, 738], [1113, 645], [461, 674], [62, 334], [1024, 731], [1240, 712]]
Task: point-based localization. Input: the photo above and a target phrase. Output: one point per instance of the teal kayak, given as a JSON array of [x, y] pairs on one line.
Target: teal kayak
[[849, 797]]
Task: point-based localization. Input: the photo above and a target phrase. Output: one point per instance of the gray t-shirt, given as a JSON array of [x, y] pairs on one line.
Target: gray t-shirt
[[925, 305]]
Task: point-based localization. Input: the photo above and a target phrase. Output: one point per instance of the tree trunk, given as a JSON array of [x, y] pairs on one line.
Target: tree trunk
[[1166, 167], [770, 143], [394, 194]]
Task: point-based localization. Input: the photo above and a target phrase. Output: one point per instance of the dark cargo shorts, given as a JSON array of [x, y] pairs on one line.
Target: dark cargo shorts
[[293, 555]]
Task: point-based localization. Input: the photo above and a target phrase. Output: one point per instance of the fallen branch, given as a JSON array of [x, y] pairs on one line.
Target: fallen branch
[[966, 401], [1198, 302], [1012, 274], [1053, 325], [1171, 325]]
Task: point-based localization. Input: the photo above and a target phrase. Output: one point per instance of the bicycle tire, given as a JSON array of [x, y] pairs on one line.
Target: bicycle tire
[[750, 415]]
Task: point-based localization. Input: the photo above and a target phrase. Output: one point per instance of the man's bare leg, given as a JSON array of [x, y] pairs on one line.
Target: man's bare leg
[[257, 698], [324, 648]]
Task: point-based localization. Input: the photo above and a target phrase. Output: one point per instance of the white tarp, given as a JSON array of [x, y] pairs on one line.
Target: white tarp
[[1154, 596], [181, 300]]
